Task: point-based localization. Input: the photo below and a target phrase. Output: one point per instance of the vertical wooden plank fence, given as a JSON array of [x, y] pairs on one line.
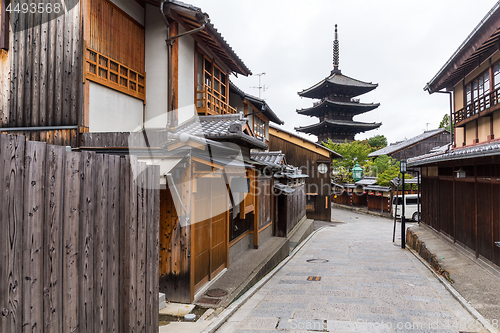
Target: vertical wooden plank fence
[[79, 241]]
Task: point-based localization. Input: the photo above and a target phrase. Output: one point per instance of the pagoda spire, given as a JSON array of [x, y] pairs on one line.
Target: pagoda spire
[[336, 53]]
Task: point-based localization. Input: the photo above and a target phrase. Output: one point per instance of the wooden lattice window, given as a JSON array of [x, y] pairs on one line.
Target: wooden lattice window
[[259, 127], [116, 35], [115, 75], [212, 95]]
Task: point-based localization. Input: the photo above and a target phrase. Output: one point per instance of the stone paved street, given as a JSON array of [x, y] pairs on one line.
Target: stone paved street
[[366, 284]]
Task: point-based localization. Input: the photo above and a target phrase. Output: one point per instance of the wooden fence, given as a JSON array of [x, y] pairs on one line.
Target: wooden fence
[[78, 240]]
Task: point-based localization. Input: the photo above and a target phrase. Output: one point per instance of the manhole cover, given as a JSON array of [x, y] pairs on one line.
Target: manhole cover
[[317, 261], [206, 300], [216, 293]]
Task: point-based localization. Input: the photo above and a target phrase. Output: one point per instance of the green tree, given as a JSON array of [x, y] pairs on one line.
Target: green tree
[[445, 122], [352, 152], [377, 142], [381, 164]]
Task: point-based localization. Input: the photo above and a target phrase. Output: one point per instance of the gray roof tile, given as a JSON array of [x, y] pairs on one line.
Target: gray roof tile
[[403, 144]]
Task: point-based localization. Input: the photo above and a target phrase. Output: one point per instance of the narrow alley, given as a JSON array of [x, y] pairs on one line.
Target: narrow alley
[[352, 278]]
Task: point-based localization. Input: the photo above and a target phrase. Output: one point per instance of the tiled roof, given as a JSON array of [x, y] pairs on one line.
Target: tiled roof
[[258, 103], [367, 181], [326, 104], [271, 158], [197, 16], [339, 80], [339, 123], [407, 143], [221, 127], [487, 149], [307, 140]]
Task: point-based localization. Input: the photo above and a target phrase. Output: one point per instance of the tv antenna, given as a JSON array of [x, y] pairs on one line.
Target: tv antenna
[[261, 87]]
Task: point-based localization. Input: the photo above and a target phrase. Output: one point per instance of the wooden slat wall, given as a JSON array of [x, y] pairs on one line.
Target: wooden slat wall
[[316, 182], [290, 210], [124, 139], [44, 62], [68, 219], [176, 244], [265, 199], [116, 35], [450, 205]]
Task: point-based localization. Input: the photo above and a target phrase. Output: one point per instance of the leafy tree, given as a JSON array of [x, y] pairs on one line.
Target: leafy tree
[[377, 142], [381, 164], [445, 122], [384, 179], [356, 151]]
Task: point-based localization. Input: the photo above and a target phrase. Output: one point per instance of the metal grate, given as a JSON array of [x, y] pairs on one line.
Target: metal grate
[[206, 300], [314, 278]]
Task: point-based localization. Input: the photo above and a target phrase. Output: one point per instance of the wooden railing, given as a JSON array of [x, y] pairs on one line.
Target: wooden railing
[[210, 102], [110, 73], [478, 105]]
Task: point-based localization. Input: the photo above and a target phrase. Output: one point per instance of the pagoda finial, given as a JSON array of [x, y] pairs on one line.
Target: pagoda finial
[[336, 52]]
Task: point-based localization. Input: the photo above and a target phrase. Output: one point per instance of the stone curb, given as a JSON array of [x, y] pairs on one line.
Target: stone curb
[[231, 309], [456, 294]]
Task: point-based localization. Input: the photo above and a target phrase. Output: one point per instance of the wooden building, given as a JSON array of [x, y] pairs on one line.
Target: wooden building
[[132, 77], [416, 146], [337, 106], [314, 160], [460, 186]]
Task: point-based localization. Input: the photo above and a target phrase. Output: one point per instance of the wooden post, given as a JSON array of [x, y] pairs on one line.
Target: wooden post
[[475, 211], [71, 246], [32, 282], [254, 184]]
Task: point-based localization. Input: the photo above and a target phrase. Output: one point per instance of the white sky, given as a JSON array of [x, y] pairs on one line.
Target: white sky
[[399, 44]]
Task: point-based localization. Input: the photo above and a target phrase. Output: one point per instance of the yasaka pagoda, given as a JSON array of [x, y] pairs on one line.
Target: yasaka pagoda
[[337, 106]]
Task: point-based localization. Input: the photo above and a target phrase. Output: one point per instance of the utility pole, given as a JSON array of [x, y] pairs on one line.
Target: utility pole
[[260, 87]]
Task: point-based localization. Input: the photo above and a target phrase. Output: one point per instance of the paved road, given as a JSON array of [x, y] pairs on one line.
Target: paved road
[[366, 284]]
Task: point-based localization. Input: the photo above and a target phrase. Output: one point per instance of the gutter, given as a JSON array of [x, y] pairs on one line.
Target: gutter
[[172, 121], [462, 46]]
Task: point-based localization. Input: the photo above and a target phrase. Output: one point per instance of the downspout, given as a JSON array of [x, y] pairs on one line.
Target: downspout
[[169, 62], [452, 125], [170, 41]]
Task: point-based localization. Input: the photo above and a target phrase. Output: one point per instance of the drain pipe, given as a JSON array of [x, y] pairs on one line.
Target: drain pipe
[[169, 62], [170, 43], [452, 125]]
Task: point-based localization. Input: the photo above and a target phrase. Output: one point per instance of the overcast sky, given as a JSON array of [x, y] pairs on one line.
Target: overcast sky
[[399, 44]]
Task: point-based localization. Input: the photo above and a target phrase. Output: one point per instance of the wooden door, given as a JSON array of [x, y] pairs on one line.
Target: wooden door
[[210, 240]]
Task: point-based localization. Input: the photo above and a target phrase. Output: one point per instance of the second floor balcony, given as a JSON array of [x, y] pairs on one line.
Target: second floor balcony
[[211, 102], [478, 107]]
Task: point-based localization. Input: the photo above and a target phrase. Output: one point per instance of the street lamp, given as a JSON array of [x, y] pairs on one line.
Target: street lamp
[[402, 169], [357, 172]]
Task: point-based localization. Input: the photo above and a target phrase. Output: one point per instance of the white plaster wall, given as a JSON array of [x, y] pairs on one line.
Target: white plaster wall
[[186, 88], [113, 111], [156, 70], [132, 8]]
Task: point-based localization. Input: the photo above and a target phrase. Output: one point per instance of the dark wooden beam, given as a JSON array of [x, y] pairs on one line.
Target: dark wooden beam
[[4, 25]]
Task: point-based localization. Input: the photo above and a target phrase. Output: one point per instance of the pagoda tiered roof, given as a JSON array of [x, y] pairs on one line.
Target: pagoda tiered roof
[[338, 84], [353, 108], [333, 125]]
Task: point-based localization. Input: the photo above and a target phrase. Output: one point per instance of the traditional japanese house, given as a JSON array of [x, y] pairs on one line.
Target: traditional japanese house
[[315, 161], [418, 145], [461, 186], [113, 76], [337, 106], [258, 112]]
